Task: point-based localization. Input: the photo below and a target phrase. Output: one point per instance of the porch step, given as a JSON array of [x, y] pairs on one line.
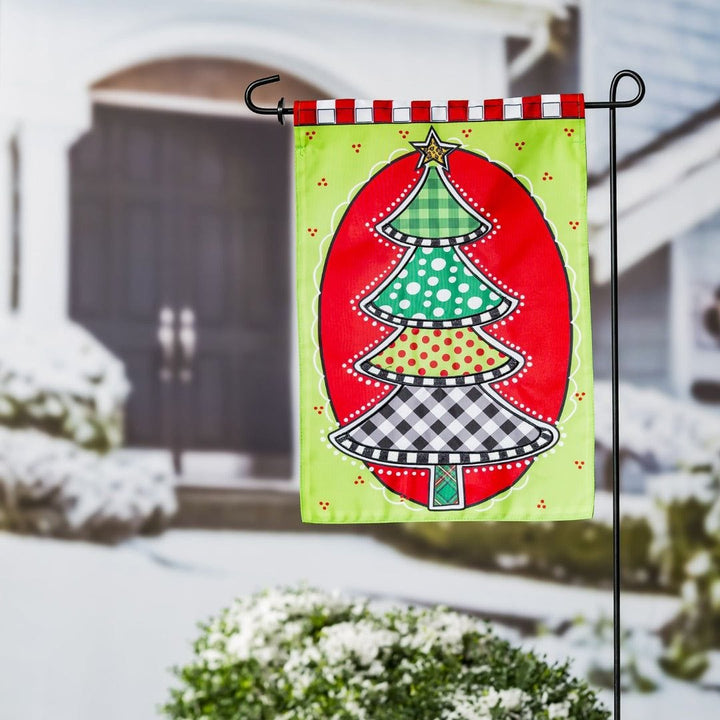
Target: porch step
[[236, 506]]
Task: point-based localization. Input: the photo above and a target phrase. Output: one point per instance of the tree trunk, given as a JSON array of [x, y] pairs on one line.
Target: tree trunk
[[445, 488]]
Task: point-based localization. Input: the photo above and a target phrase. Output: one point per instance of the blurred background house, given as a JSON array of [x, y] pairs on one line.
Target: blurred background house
[[143, 200], [140, 199]]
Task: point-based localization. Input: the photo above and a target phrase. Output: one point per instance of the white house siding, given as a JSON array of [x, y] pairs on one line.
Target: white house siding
[[674, 44], [666, 196]]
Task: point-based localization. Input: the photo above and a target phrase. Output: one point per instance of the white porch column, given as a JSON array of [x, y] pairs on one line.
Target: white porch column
[[5, 216], [44, 219]]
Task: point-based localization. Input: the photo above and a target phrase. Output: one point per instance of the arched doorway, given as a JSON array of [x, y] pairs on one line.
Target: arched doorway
[[180, 259]]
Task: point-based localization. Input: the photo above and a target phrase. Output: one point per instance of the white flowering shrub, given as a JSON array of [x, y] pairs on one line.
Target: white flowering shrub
[[50, 486], [59, 379], [309, 655]]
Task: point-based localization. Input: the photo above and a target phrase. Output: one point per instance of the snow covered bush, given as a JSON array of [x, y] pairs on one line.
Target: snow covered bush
[[660, 431], [687, 546], [59, 379], [309, 655], [50, 486]]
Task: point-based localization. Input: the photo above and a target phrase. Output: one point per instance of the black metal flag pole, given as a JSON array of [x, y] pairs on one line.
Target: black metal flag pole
[[612, 104]]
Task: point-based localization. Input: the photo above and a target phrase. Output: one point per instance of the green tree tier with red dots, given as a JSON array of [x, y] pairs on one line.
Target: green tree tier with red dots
[[443, 413]]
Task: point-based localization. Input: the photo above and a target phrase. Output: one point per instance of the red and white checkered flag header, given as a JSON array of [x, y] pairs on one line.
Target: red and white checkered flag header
[[349, 111]]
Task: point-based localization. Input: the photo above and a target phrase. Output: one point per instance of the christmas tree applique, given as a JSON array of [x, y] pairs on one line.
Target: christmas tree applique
[[444, 413]]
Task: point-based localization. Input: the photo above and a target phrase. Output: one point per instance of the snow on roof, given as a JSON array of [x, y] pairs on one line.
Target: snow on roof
[[664, 433]]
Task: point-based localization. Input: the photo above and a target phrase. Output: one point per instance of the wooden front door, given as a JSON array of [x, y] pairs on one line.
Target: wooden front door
[[180, 265]]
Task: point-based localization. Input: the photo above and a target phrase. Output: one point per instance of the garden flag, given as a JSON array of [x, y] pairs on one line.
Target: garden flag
[[443, 309]]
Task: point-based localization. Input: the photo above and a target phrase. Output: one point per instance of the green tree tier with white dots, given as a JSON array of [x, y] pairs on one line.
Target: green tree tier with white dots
[[443, 413]]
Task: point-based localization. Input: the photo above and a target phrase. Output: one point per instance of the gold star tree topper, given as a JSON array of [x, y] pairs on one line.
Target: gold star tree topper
[[434, 150]]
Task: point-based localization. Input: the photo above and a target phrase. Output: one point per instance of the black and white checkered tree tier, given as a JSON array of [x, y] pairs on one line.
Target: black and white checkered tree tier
[[445, 426]]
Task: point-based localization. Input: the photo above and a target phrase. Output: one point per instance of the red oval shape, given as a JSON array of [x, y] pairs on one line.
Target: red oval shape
[[519, 255]]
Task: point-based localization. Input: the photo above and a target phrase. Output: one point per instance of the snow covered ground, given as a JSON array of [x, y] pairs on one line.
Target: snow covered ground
[[89, 632]]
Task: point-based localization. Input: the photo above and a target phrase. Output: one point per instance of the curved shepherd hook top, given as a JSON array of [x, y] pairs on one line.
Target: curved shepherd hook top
[[614, 102], [280, 110]]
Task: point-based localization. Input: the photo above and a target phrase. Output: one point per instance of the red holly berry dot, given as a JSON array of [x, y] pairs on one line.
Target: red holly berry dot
[[400, 368], [480, 352], [421, 371], [401, 353], [412, 361], [478, 368], [456, 366], [459, 334], [413, 346], [389, 360], [467, 359], [470, 343], [457, 350], [490, 361], [444, 373], [423, 356], [425, 339], [447, 341], [403, 337], [415, 331], [433, 363], [445, 357], [435, 348]]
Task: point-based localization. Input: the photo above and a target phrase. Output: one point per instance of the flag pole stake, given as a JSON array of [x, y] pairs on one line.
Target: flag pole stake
[[611, 105]]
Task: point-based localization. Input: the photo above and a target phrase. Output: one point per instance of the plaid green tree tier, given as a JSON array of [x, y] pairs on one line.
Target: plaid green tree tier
[[444, 412]]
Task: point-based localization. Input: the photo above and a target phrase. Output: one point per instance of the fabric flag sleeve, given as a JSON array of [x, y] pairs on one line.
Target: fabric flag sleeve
[[443, 310]]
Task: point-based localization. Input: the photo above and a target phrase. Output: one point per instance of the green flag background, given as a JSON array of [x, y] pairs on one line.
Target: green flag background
[[340, 173]]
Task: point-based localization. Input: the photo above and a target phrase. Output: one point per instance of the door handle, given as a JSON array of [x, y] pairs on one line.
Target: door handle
[[166, 340], [187, 336]]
